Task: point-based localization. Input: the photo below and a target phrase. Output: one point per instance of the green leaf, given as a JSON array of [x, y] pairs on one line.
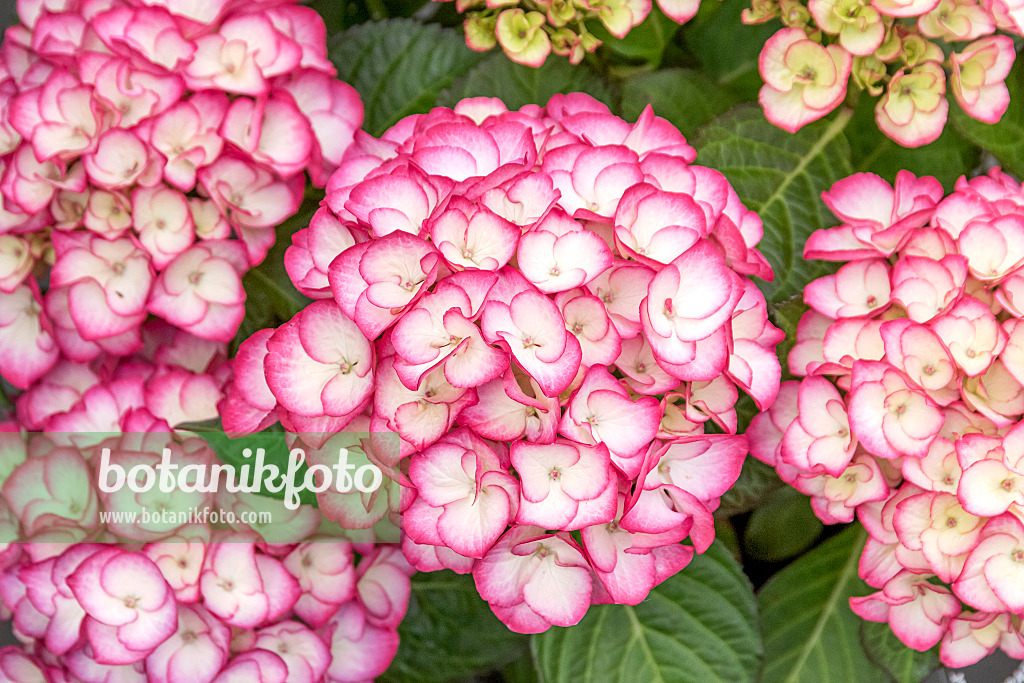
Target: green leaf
[[781, 176], [746, 409], [810, 633], [726, 47], [399, 66], [756, 481], [786, 316], [700, 625], [338, 15], [521, 670], [1005, 140], [948, 158], [517, 85], [232, 452], [270, 297], [782, 526], [449, 632], [892, 656], [687, 98], [726, 533], [6, 405], [644, 43]]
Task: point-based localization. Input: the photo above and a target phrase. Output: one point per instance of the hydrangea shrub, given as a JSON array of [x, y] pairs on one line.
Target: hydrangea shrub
[[542, 322]]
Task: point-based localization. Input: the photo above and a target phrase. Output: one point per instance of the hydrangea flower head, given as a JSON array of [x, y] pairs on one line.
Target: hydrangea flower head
[[908, 416], [148, 151], [546, 305]]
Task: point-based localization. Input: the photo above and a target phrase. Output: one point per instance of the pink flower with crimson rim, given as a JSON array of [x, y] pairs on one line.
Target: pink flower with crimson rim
[[858, 24], [531, 327], [198, 649], [201, 290], [26, 337], [326, 349], [542, 566], [972, 636], [131, 609], [478, 498], [559, 254], [564, 485], [60, 118], [956, 20]]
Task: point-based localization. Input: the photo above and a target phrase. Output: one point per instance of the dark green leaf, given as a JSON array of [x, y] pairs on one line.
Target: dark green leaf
[[338, 15], [726, 533], [232, 451], [810, 633], [517, 85], [781, 176], [746, 409], [449, 632], [271, 298], [645, 42], [948, 158], [1004, 139], [786, 316], [688, 99], [521, 670], [726, 47], [699, 625], [6, 391], [399, 66], [782, 526], [756, 481], [896, 659]]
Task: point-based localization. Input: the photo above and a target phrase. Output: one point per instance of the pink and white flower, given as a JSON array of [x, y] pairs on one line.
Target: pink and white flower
[[334, 362], [913, 111], [201, 290], [131, 609], [916, 610], [978, 78], [550, 580], [26, 338], [462, 478], [804, 80]]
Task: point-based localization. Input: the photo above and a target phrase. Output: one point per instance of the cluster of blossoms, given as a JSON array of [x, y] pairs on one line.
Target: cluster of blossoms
[[547, 306], [147, 151], [897, 50], [909, 415], [530, 30], [173, 598]]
